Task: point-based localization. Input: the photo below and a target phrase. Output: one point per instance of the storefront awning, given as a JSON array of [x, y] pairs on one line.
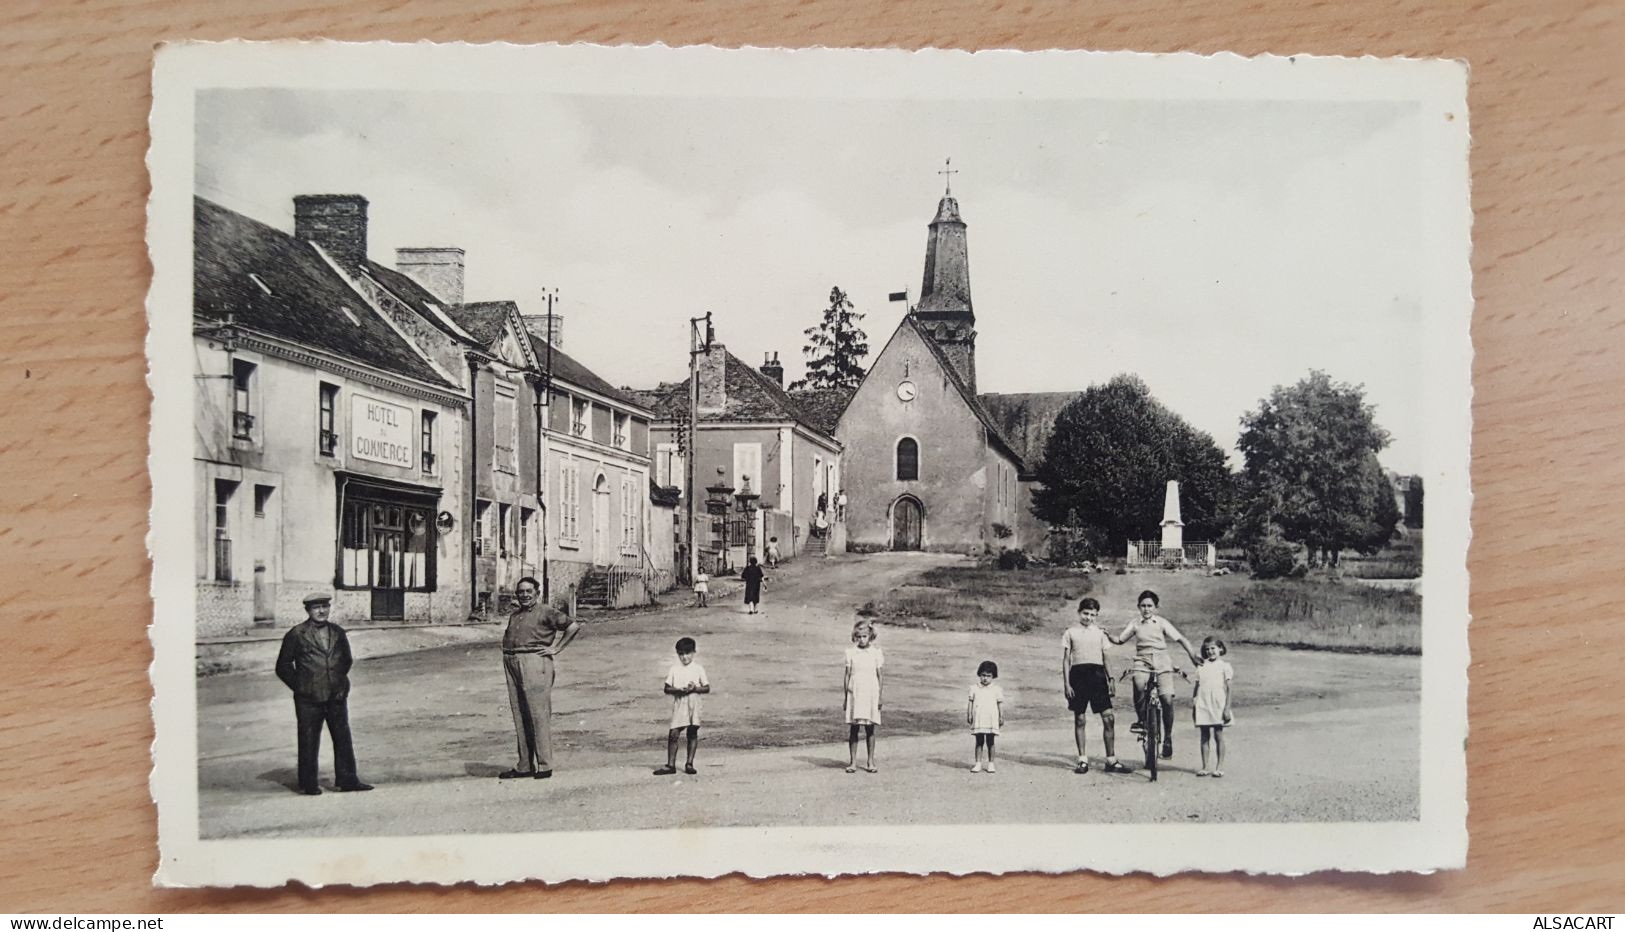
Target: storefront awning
[[390, 488]]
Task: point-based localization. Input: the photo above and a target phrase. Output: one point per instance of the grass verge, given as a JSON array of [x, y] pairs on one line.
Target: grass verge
[[961, 598], [1325, 615]]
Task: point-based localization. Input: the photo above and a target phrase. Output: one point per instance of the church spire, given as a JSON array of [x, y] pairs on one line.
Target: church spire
[[945, 305]]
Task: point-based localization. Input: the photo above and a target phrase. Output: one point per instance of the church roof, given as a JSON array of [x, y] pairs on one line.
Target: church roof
[[1027, 418], [273, 283], [945, 287], [971, 401]]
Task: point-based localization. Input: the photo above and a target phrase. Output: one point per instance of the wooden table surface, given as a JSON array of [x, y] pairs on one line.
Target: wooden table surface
[[1548, 163]]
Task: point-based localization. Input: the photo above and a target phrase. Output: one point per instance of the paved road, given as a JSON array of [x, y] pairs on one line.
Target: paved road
[[1319, 736]]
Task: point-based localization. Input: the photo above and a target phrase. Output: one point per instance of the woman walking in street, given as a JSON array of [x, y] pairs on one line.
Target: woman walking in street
[[753, 576]]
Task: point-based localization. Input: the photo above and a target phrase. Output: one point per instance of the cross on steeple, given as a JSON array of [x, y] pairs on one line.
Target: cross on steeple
[[947, 173]]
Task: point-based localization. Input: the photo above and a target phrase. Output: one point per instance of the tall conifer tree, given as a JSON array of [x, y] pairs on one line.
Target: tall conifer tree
[[835, 348]]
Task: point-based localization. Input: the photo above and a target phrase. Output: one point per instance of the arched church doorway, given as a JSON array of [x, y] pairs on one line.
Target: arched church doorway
[[907, 523]]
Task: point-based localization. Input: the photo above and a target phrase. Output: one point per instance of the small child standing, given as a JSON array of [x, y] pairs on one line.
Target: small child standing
[[685, 683], [1212, 702], [865, 670], [985, 713], [702, 588]]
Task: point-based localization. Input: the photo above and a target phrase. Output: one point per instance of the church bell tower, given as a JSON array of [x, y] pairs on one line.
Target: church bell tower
[[944, 311]]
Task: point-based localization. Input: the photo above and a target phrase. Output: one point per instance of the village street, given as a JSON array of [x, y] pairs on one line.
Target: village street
[[1318, 735]]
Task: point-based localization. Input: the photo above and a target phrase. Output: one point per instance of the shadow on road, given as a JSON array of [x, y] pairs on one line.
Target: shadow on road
[[829, 763], [1063, 761], [475, 768], [286, 777]]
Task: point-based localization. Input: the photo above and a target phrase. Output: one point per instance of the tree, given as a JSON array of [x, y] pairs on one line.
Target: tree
[[1107, 464], [835, 348], [1311, 474]]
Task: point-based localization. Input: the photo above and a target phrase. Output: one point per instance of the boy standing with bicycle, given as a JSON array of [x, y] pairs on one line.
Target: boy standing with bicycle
[[1151, 633]]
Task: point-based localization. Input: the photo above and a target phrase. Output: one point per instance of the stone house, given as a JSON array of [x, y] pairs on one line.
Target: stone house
[[749, 431], [326, 443]]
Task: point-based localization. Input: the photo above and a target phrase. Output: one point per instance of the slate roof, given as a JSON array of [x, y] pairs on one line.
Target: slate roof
[[305, 293], [1027, 418], [751, 396], [823, 406], [569, 369], [420, 299], [482, 320], [485, 321]]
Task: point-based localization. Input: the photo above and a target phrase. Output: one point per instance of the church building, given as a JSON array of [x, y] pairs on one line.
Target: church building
[[926, 465]]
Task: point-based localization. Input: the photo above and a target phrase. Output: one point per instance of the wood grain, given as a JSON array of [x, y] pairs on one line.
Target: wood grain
[[1548, 119]]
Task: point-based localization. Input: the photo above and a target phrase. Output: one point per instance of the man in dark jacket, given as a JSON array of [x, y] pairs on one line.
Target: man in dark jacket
[[315, 664]]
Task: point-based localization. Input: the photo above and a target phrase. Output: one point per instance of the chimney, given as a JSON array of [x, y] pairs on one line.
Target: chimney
[[772, 369], [538, 324], [712, 370], [335, 222], [437, 268]]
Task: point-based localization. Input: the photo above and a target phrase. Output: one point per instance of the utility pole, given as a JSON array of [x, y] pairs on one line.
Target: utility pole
[[697, 344], [544, 418]]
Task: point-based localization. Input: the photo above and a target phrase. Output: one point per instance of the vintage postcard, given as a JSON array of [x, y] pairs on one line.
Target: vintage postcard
[[576, 463]]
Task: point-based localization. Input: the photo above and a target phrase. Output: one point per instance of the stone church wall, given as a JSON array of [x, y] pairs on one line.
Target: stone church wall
[[955, 464]]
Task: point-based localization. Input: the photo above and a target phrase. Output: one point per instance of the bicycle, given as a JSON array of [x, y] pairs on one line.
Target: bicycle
[[1148, 709]]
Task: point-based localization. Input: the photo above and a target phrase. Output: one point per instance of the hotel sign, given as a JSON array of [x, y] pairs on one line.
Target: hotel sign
[[380, 431]]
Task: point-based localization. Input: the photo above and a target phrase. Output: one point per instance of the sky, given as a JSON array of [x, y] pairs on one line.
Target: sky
[[1215, 248]]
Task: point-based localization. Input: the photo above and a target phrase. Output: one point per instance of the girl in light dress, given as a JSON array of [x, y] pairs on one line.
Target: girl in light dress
[[985, 713], [1211, 704], [865, 666]]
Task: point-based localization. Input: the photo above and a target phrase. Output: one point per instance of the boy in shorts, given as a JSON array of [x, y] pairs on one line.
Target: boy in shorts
[[1087, 683]]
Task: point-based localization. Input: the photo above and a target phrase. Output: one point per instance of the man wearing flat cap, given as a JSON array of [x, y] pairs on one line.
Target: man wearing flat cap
[[315, 664]]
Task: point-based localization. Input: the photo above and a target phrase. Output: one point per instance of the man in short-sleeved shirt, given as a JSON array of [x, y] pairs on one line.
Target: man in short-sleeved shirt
[[534, 635], [1087, 683]]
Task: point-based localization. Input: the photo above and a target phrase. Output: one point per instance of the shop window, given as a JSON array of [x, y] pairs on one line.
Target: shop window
[[386, 545]]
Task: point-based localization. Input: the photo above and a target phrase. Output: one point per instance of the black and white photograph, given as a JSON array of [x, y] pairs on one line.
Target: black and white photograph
[[586, 462]]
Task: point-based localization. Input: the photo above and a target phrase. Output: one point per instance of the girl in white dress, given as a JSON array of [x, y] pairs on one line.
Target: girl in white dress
[[985, 713], [1212, 702], [865, 666]]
